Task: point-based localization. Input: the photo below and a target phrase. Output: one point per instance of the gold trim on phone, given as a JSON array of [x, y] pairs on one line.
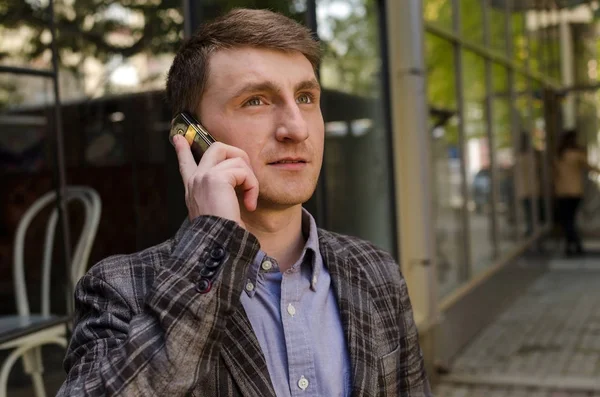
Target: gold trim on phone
[[196, 135]]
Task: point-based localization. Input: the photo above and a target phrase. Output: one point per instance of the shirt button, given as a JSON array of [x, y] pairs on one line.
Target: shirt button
[[291, 310], [267, 265], [303, 383], [249, 286]]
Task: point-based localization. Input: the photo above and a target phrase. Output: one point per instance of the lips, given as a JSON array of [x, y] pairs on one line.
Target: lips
[[288, 161]]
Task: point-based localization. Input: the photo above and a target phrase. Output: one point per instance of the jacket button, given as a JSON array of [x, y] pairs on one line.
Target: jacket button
[[203, 286], [212, 264], [217, 253], [207, 272]]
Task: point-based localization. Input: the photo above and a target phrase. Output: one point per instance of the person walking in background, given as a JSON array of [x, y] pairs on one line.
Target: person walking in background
[[569, 168]]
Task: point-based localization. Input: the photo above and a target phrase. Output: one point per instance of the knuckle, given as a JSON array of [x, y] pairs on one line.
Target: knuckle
[[197, 180], [239, 162]]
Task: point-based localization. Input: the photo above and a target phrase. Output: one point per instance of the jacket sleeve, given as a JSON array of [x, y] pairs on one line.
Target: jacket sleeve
[[412, 374], [171, 344]]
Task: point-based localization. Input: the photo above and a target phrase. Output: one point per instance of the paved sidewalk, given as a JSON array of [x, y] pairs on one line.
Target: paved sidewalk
[[547, 344]]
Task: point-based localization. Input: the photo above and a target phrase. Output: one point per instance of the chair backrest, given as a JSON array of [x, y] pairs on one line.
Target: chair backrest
[[79, 259]]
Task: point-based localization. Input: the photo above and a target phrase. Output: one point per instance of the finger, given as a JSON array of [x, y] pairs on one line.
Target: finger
[[219, 152], [240, 176], [187, 164], [248, 184]]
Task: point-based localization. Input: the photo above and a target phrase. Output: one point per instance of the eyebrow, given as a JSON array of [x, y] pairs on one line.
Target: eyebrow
[[311, 84]]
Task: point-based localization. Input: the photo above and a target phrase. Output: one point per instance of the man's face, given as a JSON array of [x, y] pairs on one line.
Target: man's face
[[266, 103]]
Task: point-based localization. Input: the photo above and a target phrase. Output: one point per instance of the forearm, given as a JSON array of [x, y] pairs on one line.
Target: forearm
[[170, 346]]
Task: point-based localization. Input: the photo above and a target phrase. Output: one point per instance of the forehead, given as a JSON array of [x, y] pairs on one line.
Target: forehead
[[232, 68]]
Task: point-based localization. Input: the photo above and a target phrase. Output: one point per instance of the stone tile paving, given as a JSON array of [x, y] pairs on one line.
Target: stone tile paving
[[547, 344]]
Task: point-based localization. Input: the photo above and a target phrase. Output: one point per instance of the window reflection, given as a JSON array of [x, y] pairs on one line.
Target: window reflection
[[524, 175], [497, 22], [448, 201], [479, 172], [505, 160], [438, 12], [357, 161], [471, 20]]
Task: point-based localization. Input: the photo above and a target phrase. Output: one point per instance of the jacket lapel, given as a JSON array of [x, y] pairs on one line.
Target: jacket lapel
[[351, 289], [244, 358]]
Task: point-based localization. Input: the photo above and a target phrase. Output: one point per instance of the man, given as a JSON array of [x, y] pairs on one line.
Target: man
[[249, 298]]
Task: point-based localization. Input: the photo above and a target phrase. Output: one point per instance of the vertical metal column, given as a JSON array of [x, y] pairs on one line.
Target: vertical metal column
[[489, 102], [60, 154], [412, 156], [466, 270], [567, 69]]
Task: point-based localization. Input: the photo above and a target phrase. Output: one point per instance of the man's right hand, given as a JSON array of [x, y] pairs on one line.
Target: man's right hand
[[210, 186]]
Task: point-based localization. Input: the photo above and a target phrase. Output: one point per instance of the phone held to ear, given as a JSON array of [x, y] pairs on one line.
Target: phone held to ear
[[199, 139]]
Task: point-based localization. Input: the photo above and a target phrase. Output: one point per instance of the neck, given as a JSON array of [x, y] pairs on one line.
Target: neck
[[279, 233]]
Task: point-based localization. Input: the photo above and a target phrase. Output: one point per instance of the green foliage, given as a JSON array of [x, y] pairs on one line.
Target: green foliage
[[353, 50], [440, 63], [98, 28]]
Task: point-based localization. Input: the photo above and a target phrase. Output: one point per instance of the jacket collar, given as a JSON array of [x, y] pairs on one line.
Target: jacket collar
[[352, 290], [246, 362]]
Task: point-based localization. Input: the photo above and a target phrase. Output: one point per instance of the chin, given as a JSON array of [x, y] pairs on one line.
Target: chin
[[284, 198]]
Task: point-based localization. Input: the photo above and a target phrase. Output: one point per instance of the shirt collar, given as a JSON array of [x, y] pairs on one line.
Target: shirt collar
[[311, 248]]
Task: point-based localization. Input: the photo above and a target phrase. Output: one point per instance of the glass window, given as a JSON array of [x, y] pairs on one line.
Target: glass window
[[523, 172], [505, 160], [479, 178], [520, 49], [497, 20], [540, 149], [447, 195], [357, 163], [535, 33], [438, 12], [471, 20]]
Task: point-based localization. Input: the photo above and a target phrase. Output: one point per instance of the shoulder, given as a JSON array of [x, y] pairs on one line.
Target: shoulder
[[128, 276], [376, 261]]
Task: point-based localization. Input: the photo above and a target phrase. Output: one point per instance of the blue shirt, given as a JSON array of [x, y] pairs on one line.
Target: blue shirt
[[296, 319]]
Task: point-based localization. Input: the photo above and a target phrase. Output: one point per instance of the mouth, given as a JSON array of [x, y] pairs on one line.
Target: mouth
[[289, 161], [289, 164]]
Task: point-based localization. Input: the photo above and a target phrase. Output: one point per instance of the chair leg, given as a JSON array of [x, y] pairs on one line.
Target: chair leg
[[19, 352], [32, 363]]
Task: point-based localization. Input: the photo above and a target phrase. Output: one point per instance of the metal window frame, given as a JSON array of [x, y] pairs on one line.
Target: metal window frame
[[466, 269], [542, 76], [490, 132], [493, 55]]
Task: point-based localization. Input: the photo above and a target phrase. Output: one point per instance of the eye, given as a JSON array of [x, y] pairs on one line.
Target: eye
[[305, 98], [255, 101]]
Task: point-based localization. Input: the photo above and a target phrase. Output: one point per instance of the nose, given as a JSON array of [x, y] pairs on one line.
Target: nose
[[292, 126]]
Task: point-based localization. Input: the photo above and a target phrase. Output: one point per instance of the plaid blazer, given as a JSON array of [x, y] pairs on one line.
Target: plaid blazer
[[168, 321]]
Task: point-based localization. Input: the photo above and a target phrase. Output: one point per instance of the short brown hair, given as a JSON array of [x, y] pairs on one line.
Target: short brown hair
[[240, 27]]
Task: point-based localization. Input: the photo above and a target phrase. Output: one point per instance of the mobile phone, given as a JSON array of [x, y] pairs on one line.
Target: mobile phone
[[186, 125]]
